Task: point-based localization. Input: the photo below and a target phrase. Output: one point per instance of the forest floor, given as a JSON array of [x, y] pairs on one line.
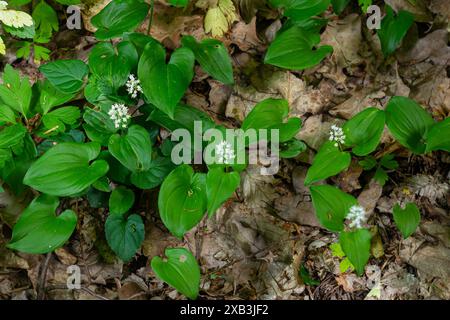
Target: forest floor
[[258, 241]]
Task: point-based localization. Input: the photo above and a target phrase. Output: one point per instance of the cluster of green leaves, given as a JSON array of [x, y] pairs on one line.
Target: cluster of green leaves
[[412, 127], [32, 37], [48, 144], [61, 150]]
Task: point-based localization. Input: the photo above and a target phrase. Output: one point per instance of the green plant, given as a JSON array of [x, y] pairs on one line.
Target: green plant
[[130, 93], [360, 136], [38, 27]]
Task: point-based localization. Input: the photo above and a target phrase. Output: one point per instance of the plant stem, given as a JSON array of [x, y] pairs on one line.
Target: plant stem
[[152, 7]]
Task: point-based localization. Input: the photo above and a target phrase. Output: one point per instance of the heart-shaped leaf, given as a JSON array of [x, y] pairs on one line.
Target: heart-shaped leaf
[[165, 84], [38, 230], [272, 114], [65, 170], [213, 57], [332, 206], [393, 29], [438, 137], [133, 150], [407, 220], [180, 270], [121, 200], [112, 65], [296, 49], [182, 200], [329, 161], [220, 186], [124, 235], [356, 246], [363, 131], [65, 75], [155, 175], [119, 16], [409, 123]]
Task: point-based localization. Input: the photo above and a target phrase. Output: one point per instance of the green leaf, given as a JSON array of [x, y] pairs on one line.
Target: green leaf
[[356, 245], [329, 161], [38, 230], [45, 19], [66, 169], [365, 4], [220, 186], [213, 57], [26, 32], [6, 114], [99, 127], [112, 65], [119, 16], [65, 75], [301, 9], [409, 123], [389, 162], [41, 53], [165, 84], [292, 148], [155, 175], [121, 200], [123, 235], [179, 3], [180, 270], [51, 97], [393, 29], [133, 150], [346, 265], [332, 206], [381, 176], [182, 200], [12, 135], [407, 220], [438, 137], [363, 131], [296, 49], [15, 92], [368, 163], [67, 115], [336, 250], [271, 114], [339, 5]]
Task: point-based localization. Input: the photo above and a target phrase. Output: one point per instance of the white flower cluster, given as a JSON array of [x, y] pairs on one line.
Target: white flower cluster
[[357, 216], [133, 86], [119, 114], [337, 135], [224, 153]]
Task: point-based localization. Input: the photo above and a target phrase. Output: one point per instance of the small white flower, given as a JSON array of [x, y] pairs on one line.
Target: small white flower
[[119, 114], [337, 135], [357, 217], [224, 153], [183, 258], [133, 86]]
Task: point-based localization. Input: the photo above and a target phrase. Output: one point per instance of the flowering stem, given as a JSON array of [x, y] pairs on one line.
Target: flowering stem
[[152, 6]]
